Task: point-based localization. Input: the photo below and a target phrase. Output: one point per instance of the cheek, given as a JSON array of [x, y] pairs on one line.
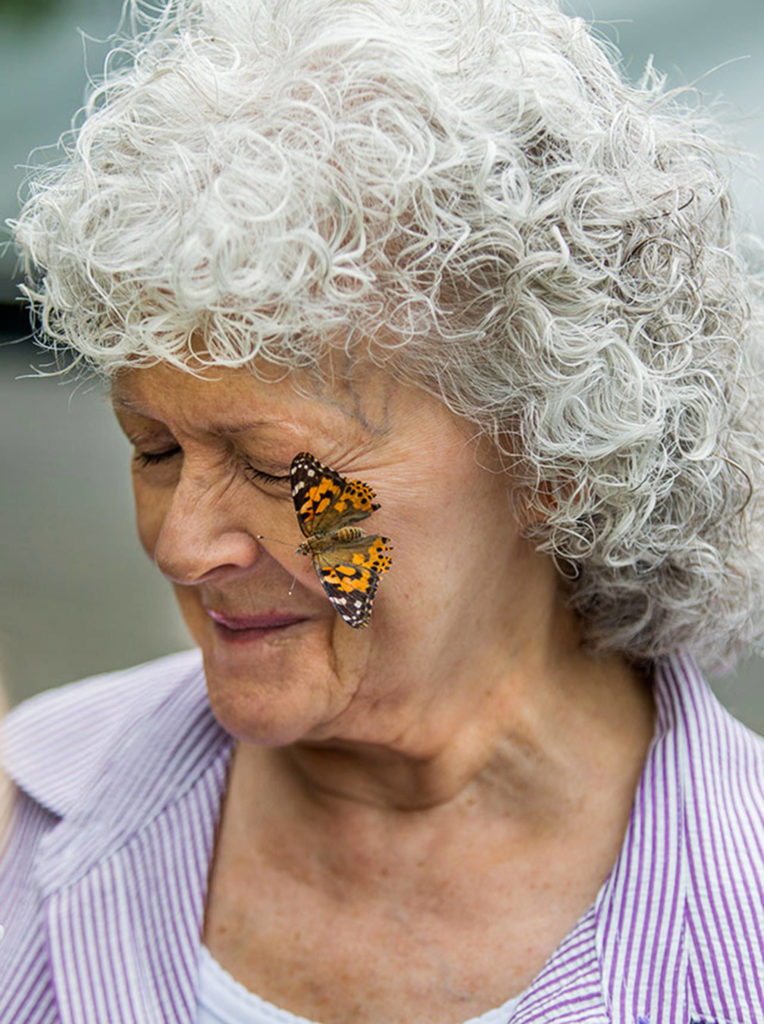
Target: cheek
[[194, 616], [457, 537], [150, 511]]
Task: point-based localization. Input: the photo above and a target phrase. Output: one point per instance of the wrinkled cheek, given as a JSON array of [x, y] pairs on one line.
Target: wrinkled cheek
[[196, 619], [149, 517], [355, 654], [147, 537]]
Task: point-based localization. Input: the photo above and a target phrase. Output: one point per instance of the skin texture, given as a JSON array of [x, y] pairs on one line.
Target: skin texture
[[418, 812]]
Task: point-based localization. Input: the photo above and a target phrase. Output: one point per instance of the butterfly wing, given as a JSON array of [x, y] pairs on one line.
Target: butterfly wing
[[324, 500], [348, 563], [350, 573]]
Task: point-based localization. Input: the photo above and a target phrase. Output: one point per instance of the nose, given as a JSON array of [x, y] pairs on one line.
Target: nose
[[204, 534]]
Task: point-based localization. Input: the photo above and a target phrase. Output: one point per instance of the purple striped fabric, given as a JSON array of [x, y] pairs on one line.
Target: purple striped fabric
[[103, 880]]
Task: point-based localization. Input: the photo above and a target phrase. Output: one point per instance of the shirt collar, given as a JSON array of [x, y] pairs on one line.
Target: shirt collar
[[675, 934], [676, 931], [57, 744], [641, 910]]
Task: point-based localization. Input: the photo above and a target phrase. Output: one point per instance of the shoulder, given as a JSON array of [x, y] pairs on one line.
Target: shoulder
[[724, 760], [722, 811], [106, 769], [725, 834], [727, 800], [55, 744], [728, 805]]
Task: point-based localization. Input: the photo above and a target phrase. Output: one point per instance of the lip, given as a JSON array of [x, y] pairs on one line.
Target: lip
[[245, 628]]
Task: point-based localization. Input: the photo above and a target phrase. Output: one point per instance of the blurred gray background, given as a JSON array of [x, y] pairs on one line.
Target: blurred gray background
[[77, 595]]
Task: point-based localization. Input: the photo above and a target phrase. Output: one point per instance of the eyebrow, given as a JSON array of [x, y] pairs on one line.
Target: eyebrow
[[226, 429], [125, 403]]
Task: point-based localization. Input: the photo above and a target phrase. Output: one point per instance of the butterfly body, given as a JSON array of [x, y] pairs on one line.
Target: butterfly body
[[348, 562], [320, 542]]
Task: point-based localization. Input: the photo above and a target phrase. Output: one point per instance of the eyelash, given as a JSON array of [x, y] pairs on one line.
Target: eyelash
[[257, 474], [154, 458]]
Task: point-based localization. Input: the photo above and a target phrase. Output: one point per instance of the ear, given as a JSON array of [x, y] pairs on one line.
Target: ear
[[539, 503]]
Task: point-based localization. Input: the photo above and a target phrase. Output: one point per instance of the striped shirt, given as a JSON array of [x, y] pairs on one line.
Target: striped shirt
[[121, 777]]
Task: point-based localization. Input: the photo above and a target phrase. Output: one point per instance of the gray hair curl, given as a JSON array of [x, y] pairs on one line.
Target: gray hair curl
[[471, 190]]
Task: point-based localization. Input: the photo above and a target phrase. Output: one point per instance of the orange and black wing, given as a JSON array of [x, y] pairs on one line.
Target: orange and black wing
[[350, 576], [324, 500]]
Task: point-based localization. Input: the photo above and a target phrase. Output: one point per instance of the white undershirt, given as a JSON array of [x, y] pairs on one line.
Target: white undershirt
[[222, 1000]]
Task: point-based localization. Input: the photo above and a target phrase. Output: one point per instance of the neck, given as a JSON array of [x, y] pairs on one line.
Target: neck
[[528, 742]]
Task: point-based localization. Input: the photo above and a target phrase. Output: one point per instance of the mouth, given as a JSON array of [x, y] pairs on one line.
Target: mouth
[[243, 629]]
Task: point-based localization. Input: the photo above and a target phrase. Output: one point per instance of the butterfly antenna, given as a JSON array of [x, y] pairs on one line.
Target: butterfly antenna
[[272, 540], [291, 589]]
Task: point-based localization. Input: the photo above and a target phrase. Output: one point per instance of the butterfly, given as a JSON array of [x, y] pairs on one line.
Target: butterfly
[[348, 562]]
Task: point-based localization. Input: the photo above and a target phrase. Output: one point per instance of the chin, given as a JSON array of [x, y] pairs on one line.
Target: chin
[[274, 693], [269, 713], [274, 687]]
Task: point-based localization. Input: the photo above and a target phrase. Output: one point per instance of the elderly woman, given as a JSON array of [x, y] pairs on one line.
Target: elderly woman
[[439, 367]]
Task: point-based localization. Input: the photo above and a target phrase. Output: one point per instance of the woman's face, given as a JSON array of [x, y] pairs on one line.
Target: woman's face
[[465, 599]]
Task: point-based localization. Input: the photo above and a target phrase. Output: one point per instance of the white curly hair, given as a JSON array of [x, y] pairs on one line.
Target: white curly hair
[[469, 192]]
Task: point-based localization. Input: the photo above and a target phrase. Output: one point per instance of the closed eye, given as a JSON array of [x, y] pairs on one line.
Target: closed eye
[[259, 475], [153, 458]]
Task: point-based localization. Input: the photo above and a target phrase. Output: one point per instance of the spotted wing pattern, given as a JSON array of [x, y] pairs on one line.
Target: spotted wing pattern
[[324, 500], [348, 562]]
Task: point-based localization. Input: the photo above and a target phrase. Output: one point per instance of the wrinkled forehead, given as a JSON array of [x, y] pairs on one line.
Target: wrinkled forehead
[[340, 390]]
